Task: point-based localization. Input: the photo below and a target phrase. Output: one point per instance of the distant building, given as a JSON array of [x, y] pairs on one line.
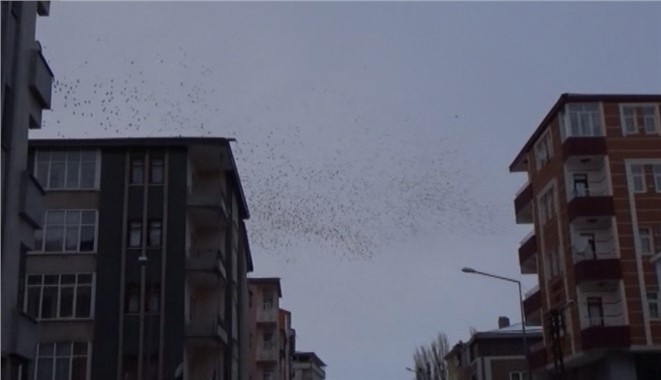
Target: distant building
[[26, 91], [593, 196], [266, 339], [493, 355], [139, 269], [287, 344], [308, 366]]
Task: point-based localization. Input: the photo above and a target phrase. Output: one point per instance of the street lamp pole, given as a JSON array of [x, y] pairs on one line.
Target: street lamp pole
[[523, 320]]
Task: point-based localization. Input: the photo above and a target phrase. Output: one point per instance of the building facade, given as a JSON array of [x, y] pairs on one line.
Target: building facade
[[308, 366], [26, 91], [287, 344], [593, 196], [139, 268], [266, 340], [493, 355]]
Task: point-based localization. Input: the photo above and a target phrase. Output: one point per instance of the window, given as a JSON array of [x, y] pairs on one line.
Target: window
[[59, 296], [67, 170], [595, 311], [268, 375], [657, 177], [553, 263], [581, 185], [638, 119], [583, 120], [135, 234], [267, 301], [154, 237], [68, 231], [268, 340], [638, 177], [653, 303], [518, 375], [645, 238], [137, 170], [156, 170], [62, 361], [547, 206], [152, 299], [544, 150]]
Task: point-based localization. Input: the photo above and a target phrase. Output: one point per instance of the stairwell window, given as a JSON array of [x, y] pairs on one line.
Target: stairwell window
[[638, 177], [547, 206], [137, 174], [62, 361], [135, 234], [583, 120], [656, 169], [654, 304], [155, 233], [638, 118], [156, 168]]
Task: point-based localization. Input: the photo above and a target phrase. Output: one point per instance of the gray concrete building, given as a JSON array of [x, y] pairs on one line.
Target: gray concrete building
[[139, 269], [308, 366], [26, 91]]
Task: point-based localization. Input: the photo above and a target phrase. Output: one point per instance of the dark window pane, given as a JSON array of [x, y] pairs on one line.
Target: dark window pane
[[87, 175], [62, 369], [51, 279], [135, 234], [38, 240], [63, 349], [73, 168], [86, 238], [156, 170], [54, 239], [137, 170], [89, 217], [83, 301], [46, 349], [49, 302], [55, 218], [89, 155], [42, 174], [79, 368], [84, 278], [71, 243], [32, 279], [154, 234], [73, 218], [45, 369], [68, 279], [80, 348], [66, 302], [57, 175], [34, 294]]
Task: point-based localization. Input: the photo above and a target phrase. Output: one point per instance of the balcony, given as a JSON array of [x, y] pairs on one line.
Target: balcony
[[583, 146], [206, 332], [527, 254], [267, 315], [590, 207], [205, 266], [532, 306], [268, 351], [523, 204], [596, 266], [32, 200], [41, 78], [537, 355], [602, 337]]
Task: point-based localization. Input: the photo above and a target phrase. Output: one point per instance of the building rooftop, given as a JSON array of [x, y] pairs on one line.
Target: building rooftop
[[266, 281], [123, 142], [308, 357], [516, 165]]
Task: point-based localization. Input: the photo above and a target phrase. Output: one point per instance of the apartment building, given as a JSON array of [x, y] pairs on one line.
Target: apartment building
[[26, 91], [139, 267], [494, 354], [308, 366], [266, 339], [287, 344], [593, 197]]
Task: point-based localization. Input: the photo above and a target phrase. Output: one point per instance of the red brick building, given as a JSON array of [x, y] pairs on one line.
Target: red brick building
[[594, 200]]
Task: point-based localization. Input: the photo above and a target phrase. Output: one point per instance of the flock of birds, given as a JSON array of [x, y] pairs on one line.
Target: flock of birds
[[316, 167]]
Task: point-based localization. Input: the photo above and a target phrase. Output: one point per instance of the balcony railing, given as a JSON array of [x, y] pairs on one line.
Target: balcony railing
[[607, 330], [527, 252], [590, 207], [41, 79], [213, 328], [267, 315], [584, 146], [523, 204], [268, 351], [532, 291]]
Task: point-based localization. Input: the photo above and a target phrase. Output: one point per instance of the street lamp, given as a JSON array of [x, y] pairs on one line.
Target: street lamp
[[523, 320]]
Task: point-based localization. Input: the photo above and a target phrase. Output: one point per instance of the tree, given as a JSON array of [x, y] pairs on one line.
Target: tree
[[429, 360]]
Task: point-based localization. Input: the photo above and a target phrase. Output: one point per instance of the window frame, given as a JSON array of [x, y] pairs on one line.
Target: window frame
[[150, 225], [638, 129], [543, 149], [59, 297], [581, 109], [656, 174], [41, 235], [641, 176], [129, 240], [80, 163], [71, 356], [152, 160], [137, 160], [649, 238]]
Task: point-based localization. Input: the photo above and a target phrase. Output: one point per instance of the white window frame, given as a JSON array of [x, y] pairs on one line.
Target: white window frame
[[71, 356], [584, 110], [47, 186], [544, 149], [649, 237], [654, 299], [547, 205], [638, 175], [638, 129], [43, 232], [58, 301]]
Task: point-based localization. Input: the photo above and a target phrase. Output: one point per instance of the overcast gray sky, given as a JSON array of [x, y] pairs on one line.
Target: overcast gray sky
[[373, 139]]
